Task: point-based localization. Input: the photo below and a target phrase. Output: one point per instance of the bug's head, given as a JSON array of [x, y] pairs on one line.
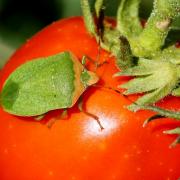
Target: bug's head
[[89, 78]]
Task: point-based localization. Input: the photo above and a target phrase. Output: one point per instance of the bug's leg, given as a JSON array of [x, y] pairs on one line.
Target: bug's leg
[[63, 115], [96, 63], [80, 107], [40, 117], [84, 59], [177, 141]]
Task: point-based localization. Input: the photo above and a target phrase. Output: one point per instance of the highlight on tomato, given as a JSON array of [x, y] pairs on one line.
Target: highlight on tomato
[[94, 98]]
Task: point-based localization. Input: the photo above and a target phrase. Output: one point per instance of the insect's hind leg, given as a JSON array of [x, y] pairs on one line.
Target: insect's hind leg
[[96, 118], [63, 115]]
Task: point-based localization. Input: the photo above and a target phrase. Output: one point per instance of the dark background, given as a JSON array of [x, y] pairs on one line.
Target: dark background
[[20, 19]]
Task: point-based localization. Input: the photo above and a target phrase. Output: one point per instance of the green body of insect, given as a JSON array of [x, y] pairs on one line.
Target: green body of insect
[[44, 84]]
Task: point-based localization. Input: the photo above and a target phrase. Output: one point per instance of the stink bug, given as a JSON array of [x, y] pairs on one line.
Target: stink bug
[[45, 84]]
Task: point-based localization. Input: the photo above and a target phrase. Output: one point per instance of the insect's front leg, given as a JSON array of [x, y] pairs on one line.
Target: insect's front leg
[[96, 62]]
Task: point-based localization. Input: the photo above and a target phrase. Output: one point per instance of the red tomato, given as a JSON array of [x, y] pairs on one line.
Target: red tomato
[[76, 148]]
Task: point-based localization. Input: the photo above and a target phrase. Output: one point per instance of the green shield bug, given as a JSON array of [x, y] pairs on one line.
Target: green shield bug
[[45, 84]]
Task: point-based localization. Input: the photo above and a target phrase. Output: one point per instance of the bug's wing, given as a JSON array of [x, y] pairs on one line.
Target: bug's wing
[[39, 86]]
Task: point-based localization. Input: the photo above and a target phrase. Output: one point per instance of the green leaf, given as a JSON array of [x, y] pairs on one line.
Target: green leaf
[[39, 86], [176, 24], [98, 7], [140, 70], [176, 92], [128, 22], [119, 47], [152, 118], [88, 18], [170, 53], [161, 112], [173, 35], [153, 36], [154, 78], [173, 131]]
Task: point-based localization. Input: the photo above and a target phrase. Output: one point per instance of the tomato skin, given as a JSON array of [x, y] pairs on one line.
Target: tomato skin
[[76, 148]]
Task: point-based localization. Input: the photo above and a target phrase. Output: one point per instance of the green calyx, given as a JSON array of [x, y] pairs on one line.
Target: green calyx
[[109, 37], [141, 52], [142, 42], [156, 79], [128, 22], [153, 36]]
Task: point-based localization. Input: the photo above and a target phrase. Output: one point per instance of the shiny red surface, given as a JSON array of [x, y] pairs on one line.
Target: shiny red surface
[[76, 148]]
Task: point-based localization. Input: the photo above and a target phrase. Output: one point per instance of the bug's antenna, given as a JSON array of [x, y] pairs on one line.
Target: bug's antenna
[[83, 61], [95, 62], [115, 90]]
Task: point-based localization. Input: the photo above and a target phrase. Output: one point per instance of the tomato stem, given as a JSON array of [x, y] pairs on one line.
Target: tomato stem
[[128, 22], [98, 7], [156, 29], [140, 52], [88, 18]]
